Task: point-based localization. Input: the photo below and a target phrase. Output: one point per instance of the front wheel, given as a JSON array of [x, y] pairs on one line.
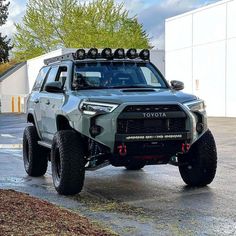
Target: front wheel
[[35, 157], [198, 166], [68, 162]]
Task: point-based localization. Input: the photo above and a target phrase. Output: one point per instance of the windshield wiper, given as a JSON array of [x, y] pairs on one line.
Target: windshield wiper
[[134, 86]]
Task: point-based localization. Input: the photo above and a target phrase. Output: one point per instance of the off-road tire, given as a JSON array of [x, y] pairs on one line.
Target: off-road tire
[[135, 165], [68, 162], [35, 157], [198, 166]]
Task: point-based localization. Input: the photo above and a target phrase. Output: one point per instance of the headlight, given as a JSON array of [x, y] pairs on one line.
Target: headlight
[[195, 106], [92, 108]]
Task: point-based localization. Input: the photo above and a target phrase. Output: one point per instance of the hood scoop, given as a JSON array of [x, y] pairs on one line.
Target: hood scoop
[[138, 90]]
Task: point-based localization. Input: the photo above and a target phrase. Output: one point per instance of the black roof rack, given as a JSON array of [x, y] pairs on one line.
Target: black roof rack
[[107, 53], [68, 56]]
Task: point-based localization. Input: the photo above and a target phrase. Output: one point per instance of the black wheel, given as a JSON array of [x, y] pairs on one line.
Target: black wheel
[[135, 165], [200, 163], [68, 162], [35, 157]]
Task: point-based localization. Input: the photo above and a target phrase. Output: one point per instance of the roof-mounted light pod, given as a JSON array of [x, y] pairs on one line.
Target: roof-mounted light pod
[[106, 53], [93, 53], [132, 53], [80, 54], [144, 54], [119, 53]]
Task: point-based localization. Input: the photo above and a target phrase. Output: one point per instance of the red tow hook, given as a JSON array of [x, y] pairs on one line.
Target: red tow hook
[[185, 147], [122, 150]]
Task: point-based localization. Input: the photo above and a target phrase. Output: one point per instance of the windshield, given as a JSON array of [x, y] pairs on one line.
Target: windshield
[[107, 75]]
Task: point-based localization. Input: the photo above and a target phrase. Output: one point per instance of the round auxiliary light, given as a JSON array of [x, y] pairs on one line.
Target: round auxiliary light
[[119, 53], [132, 53], [200, 127], [107, 53], [144, 54], [80, 54], [95, 130], [93, 53]]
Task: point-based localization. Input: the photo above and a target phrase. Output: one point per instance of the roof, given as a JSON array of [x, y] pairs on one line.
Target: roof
[[11, 70]]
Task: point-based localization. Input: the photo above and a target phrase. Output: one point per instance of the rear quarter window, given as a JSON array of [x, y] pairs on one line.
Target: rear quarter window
[[40, 78]]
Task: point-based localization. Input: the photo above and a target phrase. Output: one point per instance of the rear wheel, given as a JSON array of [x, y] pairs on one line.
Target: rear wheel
[[35, 157], [68, 163], [135, 165], [199, 164]]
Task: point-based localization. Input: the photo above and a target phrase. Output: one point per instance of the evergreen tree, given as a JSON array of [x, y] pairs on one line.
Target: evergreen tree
[[4, 42]]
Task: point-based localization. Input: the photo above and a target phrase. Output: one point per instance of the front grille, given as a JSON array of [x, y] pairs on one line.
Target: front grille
[[152, 108], [145, 126]]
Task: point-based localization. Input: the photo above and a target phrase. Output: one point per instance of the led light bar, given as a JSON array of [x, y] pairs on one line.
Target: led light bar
[[106, 53]]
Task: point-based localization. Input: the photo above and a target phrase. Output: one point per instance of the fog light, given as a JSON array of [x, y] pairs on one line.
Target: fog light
[[80, 54], [200, 127], [92, 53], [95, 130]]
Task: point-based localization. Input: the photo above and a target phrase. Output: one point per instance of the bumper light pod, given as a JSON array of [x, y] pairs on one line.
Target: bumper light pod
[[95, 130]]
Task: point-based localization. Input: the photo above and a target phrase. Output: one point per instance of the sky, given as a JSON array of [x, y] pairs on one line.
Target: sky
[[150, 13]]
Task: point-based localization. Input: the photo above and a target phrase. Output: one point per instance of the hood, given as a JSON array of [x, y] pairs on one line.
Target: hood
[[119, 96]]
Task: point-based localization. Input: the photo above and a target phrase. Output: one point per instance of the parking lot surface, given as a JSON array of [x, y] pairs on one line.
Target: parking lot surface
[[153, 201]]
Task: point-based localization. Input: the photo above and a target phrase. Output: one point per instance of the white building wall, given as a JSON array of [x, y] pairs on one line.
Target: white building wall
[[16, 83], [158, 59], [35, 64], [201, 51]]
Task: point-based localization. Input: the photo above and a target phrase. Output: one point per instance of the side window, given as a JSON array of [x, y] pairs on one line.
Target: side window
[[62, 75], [51, 76], [40, 78], [150, 77]]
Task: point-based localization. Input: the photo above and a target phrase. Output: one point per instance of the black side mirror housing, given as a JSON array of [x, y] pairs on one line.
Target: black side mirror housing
[[177, 85], [54, 87]]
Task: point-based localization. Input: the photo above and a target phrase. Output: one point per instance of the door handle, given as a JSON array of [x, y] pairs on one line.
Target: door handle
[[47, 102], [36, 101]]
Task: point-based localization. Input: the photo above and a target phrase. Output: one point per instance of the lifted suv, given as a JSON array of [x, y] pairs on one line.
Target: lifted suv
[[92, 108]]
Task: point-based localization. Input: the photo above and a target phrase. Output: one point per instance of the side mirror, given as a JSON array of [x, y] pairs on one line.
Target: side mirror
[[177, 85], [54, 87]]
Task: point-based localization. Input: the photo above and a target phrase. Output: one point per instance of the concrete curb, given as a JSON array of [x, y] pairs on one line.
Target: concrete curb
[[11, 146]]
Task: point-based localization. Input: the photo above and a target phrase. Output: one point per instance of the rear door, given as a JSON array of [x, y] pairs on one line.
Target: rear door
[[34, 100]]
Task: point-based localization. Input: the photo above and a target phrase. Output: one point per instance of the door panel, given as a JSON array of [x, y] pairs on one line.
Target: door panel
[[51, 103]]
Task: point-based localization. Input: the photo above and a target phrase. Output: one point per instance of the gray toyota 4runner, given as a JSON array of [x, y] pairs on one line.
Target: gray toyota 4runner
[[93, 108]]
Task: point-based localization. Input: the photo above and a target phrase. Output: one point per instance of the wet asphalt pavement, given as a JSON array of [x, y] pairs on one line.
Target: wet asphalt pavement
[[153, 201]]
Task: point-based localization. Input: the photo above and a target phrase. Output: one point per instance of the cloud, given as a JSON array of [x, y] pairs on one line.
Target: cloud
[[151, 13], [16, 12], [153, 17]]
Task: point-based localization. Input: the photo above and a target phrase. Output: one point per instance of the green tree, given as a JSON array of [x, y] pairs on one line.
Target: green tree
[[4, 42], [51, 24]]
